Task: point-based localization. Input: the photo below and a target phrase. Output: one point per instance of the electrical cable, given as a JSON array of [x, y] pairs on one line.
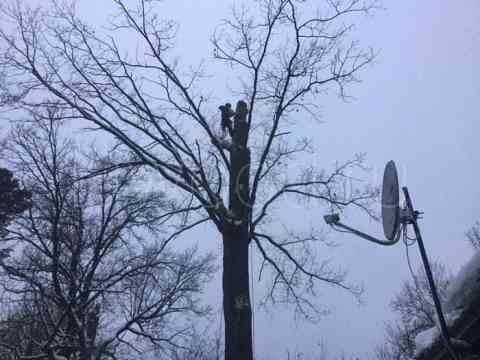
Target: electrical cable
[[220, 323], [418, 288], [252, 304]]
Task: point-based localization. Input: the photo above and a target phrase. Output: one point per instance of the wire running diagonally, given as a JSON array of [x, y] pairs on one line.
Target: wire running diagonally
[[252, 303]]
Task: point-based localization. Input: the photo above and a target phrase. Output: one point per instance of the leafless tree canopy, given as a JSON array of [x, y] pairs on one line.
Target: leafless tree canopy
[[91, 274], [286, 56]]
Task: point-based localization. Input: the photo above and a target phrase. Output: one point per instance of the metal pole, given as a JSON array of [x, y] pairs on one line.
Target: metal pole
[[431, 282]]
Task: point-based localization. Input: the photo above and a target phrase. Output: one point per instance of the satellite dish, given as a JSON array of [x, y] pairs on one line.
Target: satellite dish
[[390, 201], [393, 217]]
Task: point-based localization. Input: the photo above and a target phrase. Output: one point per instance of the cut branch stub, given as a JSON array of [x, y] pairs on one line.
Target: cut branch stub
[[240, 125], [240, 165]]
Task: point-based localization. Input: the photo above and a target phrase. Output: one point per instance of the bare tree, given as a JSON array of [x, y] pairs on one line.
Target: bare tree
[[204, 345], [473, 236], [286, 53], [320, 352], [415, 313], [91, 274]]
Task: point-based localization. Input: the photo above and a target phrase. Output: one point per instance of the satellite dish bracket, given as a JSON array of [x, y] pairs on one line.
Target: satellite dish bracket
[[334, 220], [393, 216]]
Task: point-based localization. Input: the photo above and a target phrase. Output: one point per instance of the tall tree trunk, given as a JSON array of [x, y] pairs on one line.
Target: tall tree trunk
[[236, 292], [236, 298]]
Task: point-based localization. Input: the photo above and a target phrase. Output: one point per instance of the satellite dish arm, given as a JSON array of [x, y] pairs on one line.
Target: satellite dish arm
[[334, 220]]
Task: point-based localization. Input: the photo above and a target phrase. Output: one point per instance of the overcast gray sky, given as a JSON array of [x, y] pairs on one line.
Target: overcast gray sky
[[418, 104]]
